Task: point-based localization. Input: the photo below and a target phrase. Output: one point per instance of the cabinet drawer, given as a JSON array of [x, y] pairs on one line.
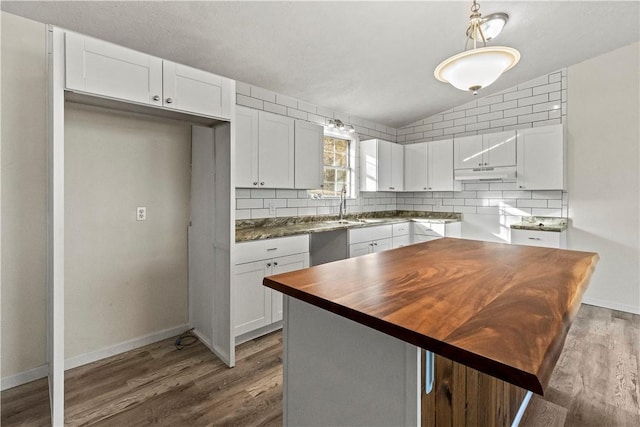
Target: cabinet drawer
[[428, 229], [271, 248], [367, 234], [401, 229], [547, 239]]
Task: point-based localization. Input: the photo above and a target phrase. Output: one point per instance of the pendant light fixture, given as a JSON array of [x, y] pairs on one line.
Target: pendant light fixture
[[479, 67]]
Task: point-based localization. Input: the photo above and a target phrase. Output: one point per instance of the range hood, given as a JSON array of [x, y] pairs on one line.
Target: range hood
[[486, 173]]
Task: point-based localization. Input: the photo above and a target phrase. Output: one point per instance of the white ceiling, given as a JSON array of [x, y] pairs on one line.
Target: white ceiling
[[374, 60]]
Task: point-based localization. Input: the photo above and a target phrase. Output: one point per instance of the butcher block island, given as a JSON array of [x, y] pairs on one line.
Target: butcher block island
[[448, 332]]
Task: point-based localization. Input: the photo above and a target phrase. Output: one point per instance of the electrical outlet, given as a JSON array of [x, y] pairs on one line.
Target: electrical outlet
[[141, 213], [272, 208]]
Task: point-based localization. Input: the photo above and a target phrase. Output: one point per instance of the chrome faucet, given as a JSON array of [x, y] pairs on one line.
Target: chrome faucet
[[343, 202]]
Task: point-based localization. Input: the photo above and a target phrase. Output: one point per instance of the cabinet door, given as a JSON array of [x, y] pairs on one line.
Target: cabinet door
[[397, 167], [275, 151], [252, 301], [468, 152], [369, 165], [195, 91], [384, 166], [440, 165], [400, 241], [106, 69], [541, 158], [309, 164], [285, 265], [358, 249], [246, 124], [500, 149], [545, 239], [415, 167], [382, 245]]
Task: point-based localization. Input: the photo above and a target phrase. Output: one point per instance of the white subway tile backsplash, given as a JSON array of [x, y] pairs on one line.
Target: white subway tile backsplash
[[531, 203], [532, 103], [287, 101], [275, 108], [247, 101], [546, 212], [263, 193], [264, 94], [243, 88], [249, 203]]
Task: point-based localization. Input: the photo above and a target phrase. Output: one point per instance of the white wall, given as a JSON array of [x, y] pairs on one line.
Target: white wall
[[124, 278], [604, 177], [24, 196]]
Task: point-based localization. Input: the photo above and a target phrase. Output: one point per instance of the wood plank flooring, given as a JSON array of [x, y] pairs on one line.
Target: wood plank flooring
[[594, 384]]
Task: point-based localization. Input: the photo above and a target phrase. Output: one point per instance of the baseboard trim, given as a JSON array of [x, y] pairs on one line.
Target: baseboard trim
[[628, 308], [24, 377], [241, 339], [83, 359]]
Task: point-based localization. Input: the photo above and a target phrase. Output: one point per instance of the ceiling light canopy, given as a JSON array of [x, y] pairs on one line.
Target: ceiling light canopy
[[479, 67]]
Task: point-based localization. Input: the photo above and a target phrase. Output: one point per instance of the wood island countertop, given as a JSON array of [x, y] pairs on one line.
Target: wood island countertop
[[502, 309]]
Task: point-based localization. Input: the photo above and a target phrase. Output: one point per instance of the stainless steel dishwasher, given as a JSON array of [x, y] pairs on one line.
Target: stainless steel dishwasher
[[328, 246]]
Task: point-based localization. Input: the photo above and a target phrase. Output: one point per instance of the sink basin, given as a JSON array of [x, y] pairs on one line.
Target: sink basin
[[341, 221], [370, 220]]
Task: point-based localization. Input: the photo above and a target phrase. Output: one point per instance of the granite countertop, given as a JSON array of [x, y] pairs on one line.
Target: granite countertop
[[267, 228], [539, 223]]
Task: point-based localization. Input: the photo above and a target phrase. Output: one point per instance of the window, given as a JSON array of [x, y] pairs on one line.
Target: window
[[338, 167]]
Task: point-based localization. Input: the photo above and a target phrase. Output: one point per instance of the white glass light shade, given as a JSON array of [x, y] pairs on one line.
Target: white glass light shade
[[492, 25], [477, 68]]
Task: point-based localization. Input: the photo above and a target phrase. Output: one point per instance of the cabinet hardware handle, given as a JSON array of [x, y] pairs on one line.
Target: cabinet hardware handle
[[486, 164], [156, 97], [375, 244], [275, 263], [262, 183], [255, 182], [425, 188], [271, 249], [169, 100], [479, 164], [534, 238], [429, 188], [268, 264]]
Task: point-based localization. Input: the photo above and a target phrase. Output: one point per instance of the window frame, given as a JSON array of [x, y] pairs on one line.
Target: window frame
[[350, 169]]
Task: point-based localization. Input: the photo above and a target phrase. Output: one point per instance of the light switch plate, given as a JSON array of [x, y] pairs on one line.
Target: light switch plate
[[141, 213]]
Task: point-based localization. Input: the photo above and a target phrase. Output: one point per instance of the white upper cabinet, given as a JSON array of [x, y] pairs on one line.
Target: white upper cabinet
[[106, 69], [428, 166], [489, 150], [309, 164], [381, 166], [541, 158], [416, 175], [264, 149], [275, 150], [100, 68], [195, 91], [246, 122]]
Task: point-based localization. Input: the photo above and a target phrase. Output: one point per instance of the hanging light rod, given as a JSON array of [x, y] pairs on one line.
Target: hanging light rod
[[478, 67], [337, 124]]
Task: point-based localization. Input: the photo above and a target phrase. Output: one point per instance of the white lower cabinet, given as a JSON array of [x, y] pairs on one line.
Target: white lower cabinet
[[424, 231], [256, 306], [545, 239], [369, 240], [401, 235]]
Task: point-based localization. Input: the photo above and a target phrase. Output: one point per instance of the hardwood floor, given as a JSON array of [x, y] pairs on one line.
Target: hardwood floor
[[595, 383]]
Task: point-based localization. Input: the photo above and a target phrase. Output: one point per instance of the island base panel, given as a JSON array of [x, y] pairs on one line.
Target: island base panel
[[462, 396], [339, 372]]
